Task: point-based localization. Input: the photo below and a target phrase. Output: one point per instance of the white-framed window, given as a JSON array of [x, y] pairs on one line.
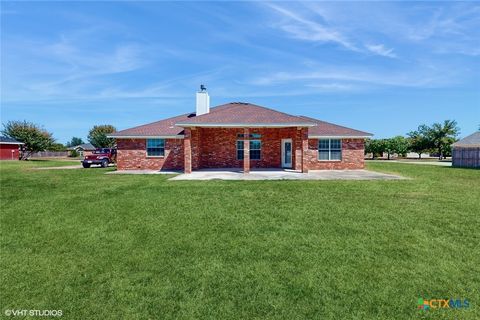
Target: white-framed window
[[255, 149], [239, 149], [155, 147], [329, 149]]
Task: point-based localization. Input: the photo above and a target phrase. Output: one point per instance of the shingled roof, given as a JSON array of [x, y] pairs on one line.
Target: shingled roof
[[327, 129], [6, 140], [83, 146], [236, 114], [162, 128], [239, 114], [471, 141]]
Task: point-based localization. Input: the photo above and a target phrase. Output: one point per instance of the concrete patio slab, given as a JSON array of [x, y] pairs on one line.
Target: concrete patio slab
[[286, 175]]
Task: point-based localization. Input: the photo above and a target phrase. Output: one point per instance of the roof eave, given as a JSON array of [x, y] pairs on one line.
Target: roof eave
[[173, 136], [473, 146], [316, 136], [245, 125]]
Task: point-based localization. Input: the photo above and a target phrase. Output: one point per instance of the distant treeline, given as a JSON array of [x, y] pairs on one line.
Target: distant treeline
[[37, 139], [436, 138]]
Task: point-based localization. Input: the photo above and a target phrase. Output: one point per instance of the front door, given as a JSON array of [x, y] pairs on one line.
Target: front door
[[286, 153]]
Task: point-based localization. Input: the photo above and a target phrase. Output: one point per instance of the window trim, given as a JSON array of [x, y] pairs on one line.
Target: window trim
[[250, 149], [236, 149], [329, 150], [146, 148], [260, 149]]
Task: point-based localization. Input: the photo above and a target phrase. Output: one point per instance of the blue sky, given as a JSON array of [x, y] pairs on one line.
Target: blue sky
[[382, 67]]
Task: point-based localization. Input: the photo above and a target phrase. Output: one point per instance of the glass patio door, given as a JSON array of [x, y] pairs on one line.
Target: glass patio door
[[286, 153]]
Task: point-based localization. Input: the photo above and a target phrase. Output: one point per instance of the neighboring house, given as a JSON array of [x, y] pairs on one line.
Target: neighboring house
[[83, 149], [9, 149], [239, 135], [466, 152]]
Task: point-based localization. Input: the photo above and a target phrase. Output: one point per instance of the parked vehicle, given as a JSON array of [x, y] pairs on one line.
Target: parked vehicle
[[101, 156]]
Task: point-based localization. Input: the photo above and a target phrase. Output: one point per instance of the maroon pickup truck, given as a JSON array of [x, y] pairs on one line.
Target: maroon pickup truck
[[101, 156]]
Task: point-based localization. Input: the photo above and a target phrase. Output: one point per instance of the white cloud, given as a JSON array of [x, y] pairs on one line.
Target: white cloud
[[316, 29], [355, 77], [448, 28], [75, 64], [300, 27], [381, 50], [122, 57]]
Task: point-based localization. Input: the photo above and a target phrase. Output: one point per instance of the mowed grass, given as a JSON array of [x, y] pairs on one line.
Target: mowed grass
[[103, 246]]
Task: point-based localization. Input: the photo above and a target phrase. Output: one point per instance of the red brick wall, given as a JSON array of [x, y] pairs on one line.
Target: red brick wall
[[6, 152], [216, 148], [352, 156], [132, 155], [196, 148]]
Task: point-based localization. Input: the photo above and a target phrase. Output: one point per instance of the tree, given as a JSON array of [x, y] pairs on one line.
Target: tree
[[419, 140], [98, 136], [73, 153], [374, 146], [34, 137], [398, 145], [443, 135], [369, 147], [56, 147], [75, 142], [402, 145]]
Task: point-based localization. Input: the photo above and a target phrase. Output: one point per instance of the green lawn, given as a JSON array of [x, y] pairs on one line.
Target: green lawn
[[102, 246]]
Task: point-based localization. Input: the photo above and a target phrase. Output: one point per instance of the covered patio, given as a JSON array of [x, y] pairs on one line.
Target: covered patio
[[245, 148]]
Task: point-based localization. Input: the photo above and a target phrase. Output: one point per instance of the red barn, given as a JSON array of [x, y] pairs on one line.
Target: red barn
[[9, 149]]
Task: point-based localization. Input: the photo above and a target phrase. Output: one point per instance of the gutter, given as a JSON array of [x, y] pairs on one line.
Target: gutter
[[337, 137], [146, 137], [245, 125]]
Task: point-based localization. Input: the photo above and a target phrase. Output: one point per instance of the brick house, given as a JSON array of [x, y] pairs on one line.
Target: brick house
[[239, 135], [83, 150]]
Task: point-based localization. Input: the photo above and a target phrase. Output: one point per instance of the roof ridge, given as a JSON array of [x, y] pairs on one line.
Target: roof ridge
[[288, 114], [246, 103]]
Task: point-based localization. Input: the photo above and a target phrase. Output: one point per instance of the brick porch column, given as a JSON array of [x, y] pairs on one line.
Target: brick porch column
[[187, 144], [298, 149], [304, 133], [246, 151]]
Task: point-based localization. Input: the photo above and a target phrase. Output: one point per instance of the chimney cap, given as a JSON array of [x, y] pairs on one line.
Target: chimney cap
[[203, 88]]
